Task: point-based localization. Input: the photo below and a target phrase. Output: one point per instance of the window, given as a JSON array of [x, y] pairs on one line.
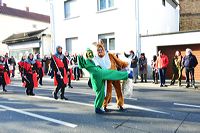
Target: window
[[108, 40], [72, 45], [105, 4], [71, 8]]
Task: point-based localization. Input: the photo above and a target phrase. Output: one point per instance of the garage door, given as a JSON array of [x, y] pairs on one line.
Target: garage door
[[170, 52]]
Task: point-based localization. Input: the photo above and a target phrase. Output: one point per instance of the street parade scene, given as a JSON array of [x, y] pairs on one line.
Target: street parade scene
[[67, 69]]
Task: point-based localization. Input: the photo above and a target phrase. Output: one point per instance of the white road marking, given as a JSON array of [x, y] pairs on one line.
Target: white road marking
[[187, 105], [145, 109], [65, 101], [113, 105], [85, 93], [39, 116]]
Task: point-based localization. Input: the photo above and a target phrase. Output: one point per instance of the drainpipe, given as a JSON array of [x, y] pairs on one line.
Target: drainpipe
[[137, 22], [52, 22]]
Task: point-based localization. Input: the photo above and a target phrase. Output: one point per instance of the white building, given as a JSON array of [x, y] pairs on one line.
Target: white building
[[78, 23], [14, 21]]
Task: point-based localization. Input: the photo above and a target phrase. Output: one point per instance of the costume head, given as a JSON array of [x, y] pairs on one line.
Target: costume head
[[89, 54], [59, 50], [100, 49], [188, 51]]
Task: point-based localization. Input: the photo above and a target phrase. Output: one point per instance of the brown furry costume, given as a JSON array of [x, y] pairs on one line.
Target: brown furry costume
[[114, 63]]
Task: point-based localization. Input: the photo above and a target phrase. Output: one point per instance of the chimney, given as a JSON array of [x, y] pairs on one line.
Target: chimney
[[4, 4], [27, 9]]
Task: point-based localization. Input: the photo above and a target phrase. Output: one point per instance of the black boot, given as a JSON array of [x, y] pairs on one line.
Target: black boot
[[4, 90], [27, 91], [62, 97], [55, 95]]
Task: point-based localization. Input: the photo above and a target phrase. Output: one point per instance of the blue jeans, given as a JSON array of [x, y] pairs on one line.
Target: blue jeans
[[162, 75]]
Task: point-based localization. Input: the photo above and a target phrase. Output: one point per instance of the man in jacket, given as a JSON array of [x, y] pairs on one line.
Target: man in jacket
[[189, 63]]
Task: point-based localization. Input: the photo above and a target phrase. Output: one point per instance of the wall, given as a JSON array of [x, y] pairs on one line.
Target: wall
[[89, 23], [190, 15], [154, 18]]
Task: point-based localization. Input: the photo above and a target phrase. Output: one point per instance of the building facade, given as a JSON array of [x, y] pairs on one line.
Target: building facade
[[77, 23], [14, 21], [187, 37]]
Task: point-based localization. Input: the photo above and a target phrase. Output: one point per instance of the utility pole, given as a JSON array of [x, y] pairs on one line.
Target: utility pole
[[52, 23], [137, 25]]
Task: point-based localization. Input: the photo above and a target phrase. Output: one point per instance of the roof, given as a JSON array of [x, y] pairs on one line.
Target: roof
[[24, 14], [23, 37]]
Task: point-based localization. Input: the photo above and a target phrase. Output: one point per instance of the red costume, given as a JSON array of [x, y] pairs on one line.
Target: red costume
[[4, 74], [40, 70], [30, 76], [60, 67]]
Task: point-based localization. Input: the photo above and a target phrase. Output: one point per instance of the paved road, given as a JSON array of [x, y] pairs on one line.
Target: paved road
[[150, 110]]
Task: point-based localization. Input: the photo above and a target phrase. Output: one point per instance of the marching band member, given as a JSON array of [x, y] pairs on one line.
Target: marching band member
[[21, 67], [4, 73], [60, 67], [30, 75], [40, 70]]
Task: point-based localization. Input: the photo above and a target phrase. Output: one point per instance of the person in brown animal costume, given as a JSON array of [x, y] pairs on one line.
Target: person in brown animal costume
[[108, 60]]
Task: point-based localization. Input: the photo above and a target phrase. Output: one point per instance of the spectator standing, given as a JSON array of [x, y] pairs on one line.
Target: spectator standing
[[162, 63], [177, 68], [76, 68], [134, 61], [189, 63], [69, 70], [143, 67], [154, 70]]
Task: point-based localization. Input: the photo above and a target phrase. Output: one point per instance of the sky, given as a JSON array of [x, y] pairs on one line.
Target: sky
[[38, 6]]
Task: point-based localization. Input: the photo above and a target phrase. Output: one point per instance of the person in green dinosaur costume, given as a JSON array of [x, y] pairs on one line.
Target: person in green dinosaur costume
[[98, 76]]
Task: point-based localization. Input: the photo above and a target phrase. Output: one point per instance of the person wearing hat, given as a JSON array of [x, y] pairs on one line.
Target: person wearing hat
[[98, 76], [60, 67], [40, 70], [4, 76], [30, 75], [189, 63]]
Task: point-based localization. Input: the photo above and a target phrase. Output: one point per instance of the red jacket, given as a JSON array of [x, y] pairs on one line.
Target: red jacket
[[162, 61]]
